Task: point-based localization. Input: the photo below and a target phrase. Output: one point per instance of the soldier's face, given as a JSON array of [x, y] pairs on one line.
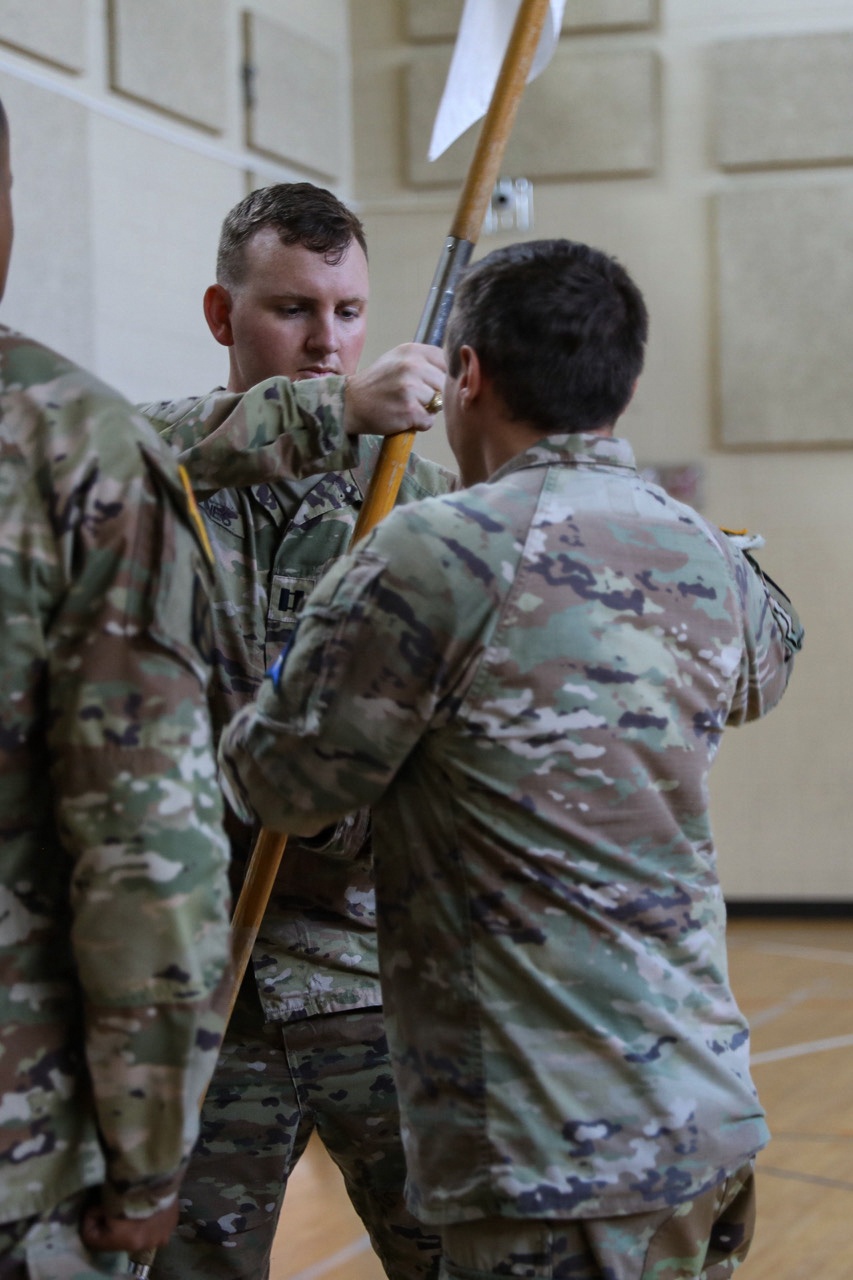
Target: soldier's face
[[5, 214], [295, 315]]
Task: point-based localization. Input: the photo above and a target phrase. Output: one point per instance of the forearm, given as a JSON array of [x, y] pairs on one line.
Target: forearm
[[303, 756], [139, 812], [149, 1067], [150, 938], [788, 624], [773, 636], [340, 711], [283, 779], [149, 898], [276, 430]]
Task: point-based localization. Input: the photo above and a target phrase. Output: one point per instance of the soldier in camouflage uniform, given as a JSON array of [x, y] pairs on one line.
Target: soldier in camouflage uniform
[[527, 681], [113, 862], [306, 1049]]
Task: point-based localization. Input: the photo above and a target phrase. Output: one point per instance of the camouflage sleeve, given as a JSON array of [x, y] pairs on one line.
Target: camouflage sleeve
[[139, 813], [773, 635], [276, 430], [378, 654]]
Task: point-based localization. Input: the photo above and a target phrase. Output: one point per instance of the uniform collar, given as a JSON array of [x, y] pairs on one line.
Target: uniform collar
[[574, 450]]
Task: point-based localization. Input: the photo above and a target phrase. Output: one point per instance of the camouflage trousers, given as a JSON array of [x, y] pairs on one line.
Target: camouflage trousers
[[274, 1085], [48, 1247], [703, 1239]]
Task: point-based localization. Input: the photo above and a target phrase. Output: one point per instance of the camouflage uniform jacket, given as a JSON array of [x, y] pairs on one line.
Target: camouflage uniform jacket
[[113, 862], [528, 681], [275, 528]]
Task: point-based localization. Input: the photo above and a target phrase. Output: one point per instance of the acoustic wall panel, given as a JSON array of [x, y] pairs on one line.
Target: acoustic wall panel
[[590, 114], [156, 251], [50, 291], [439, 19], [600, 14], [172, 56], [784, 281], [296, 112], [54, 30], [783, 100]]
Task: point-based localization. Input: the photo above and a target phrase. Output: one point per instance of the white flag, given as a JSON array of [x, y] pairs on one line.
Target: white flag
[[484, 33]]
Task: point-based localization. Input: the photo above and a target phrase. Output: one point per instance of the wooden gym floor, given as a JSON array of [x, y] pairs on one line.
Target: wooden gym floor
[[794, 980]]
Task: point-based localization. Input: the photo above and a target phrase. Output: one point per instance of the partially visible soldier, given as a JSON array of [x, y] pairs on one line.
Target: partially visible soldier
[[306, 1051], [113, 862], [528, 682]]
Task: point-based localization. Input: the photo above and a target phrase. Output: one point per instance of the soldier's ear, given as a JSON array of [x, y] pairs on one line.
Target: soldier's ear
[[470, 375], [217, 313]]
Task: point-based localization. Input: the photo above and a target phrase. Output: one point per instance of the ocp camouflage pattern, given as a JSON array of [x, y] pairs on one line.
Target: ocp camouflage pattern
[[275, 1086], [527, 681], [275, 528], [113, 863], [708, 1237]]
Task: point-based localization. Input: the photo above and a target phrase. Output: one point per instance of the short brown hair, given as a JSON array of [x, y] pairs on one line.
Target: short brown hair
[[558, 326], [300, 213]]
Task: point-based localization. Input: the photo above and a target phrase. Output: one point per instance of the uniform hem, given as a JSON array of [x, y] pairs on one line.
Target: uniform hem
[[497, 1206]]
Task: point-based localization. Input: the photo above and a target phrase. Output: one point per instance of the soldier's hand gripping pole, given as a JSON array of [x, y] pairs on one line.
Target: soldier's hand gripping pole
[[394, 455]]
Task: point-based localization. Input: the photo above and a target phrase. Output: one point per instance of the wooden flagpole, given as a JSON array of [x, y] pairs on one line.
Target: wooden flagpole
[[471, 210]]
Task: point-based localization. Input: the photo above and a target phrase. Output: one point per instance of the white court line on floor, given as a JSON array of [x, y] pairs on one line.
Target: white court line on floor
[[361, 1245], [778, 1010], [802, 1050], [804, 953], [791, 1174]]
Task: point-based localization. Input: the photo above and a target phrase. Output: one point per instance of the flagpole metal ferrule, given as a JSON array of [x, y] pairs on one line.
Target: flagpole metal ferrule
[[453, 260]]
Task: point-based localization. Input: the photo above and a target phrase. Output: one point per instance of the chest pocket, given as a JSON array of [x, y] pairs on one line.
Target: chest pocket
[[317, 535]]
